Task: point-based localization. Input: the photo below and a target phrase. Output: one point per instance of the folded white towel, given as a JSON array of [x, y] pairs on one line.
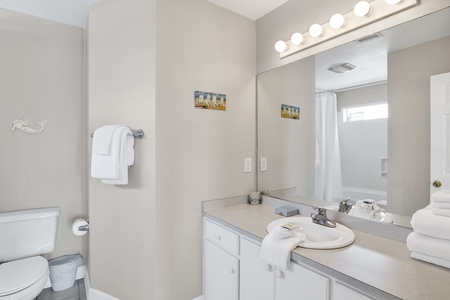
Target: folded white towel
[[442, 196], [441, 205], [425, 222], [124, 157], [429, 246], [441, 212], [101, 141], [431, 259], [106, 166], [277, 246]]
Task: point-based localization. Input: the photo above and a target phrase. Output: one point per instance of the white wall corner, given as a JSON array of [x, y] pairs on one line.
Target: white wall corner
[[199, 298]]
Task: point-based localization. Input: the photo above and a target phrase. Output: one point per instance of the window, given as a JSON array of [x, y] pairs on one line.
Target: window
[[368, 112]]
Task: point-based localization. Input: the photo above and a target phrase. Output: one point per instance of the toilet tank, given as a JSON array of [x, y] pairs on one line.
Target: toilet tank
[[26, 233]]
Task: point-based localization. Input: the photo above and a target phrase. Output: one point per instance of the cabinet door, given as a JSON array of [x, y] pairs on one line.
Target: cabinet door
[[221, 274], [256, 276], [341, 292], [299, 283]]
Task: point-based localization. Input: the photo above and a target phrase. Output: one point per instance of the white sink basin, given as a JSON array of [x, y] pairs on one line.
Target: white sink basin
[[318, 236]]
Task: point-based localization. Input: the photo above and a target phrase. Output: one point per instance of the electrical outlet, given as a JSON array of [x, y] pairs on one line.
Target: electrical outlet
[[263, 166], [247, 165]]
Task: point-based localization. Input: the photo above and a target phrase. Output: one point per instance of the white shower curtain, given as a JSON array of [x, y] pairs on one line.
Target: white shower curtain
[[328, 177]]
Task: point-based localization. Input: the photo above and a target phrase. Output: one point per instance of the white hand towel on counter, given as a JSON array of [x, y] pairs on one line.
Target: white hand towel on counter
[[106, 166], [277, 246], [101, 141], [431, 259], [124, 157], [429, 246], [425, 222]]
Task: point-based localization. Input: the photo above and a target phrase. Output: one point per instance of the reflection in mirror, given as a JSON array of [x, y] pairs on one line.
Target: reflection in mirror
[[392, 66]]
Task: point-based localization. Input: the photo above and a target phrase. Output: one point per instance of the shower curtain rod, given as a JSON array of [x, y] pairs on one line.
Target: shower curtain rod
[[352, 87]]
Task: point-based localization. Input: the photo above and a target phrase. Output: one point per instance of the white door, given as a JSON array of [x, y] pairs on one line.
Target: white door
[[440, 132]]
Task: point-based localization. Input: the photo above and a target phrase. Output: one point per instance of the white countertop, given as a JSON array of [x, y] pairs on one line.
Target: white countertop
[[379, 262]]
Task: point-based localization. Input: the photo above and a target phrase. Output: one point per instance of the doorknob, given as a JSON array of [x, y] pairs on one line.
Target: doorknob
[[437, 184]]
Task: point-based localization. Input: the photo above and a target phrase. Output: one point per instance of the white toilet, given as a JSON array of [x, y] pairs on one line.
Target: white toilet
[[24, 236]]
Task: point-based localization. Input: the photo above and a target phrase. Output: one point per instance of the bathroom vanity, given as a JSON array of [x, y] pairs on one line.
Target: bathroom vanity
[[373, 267]]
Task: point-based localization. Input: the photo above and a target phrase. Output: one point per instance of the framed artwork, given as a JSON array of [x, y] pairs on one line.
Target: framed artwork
[[208, 100]]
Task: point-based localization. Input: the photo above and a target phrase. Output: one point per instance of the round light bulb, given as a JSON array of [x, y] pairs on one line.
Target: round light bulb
[[297, 39], [280, 46], [393, 2], [337, 21], [362, 8], [315, 30]]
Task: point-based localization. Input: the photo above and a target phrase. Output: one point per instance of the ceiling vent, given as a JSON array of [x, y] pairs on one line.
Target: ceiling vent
[[369, 38], [341, 68]]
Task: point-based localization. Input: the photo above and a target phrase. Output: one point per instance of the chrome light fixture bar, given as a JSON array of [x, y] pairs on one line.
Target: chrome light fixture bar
[[364, 13]]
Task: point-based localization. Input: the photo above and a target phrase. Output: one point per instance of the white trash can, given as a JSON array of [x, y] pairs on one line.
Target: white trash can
[[63, 271]]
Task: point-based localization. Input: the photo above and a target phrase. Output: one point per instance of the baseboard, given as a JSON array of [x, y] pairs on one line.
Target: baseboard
[[199, 298], [93, 294]]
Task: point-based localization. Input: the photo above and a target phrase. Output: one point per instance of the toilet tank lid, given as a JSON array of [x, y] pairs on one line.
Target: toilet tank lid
[[28, 214]]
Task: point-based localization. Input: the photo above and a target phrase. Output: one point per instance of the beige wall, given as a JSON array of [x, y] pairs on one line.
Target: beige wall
[[297, 15], [409, 74], [121, 56], [200, 153], [42, 70], [187, 156], [287, 144]]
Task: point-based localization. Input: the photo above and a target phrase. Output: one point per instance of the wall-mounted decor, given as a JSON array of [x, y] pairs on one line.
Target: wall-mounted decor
[[290, 112], [27, 126], [207, 100]]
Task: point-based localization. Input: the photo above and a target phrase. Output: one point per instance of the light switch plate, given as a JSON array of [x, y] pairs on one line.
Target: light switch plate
[[247, 165]]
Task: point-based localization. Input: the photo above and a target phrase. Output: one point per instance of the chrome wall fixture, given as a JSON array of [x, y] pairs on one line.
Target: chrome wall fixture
[[363, 14]]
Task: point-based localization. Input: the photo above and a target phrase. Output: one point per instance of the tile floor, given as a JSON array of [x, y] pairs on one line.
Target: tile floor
[[77, 292]]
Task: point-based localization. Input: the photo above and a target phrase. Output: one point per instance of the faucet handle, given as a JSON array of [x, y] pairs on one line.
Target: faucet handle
[[322, 211]]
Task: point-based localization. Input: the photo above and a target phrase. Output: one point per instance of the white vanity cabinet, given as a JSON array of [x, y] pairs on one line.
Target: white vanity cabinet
[[220, 263], [233, 270], [261, 281]]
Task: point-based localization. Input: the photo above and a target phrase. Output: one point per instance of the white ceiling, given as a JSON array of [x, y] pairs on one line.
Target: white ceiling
[[75, 12], [252, 9], [72, 12]]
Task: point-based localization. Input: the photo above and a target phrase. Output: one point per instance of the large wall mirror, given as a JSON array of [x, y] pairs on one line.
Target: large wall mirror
[[363, 130]]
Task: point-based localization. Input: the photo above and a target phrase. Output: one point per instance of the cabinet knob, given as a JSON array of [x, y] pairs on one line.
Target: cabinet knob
[[279, 274], [437, 184], [217, 236], [267, 267], [231, 270]]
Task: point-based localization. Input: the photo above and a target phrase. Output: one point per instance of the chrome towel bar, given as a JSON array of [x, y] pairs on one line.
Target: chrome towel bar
[[138, 134]]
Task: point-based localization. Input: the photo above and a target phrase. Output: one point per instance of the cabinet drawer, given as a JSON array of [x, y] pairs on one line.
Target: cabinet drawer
[[222, 237]]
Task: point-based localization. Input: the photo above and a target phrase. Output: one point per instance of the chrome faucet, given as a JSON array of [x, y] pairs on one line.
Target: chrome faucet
[[321, 218], [345, 206]]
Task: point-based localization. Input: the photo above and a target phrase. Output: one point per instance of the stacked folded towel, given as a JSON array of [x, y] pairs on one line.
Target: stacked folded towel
[[430, 240], [112, 153], [278, 244]]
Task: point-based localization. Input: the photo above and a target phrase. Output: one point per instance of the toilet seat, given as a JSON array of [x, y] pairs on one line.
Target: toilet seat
[[21, 277]]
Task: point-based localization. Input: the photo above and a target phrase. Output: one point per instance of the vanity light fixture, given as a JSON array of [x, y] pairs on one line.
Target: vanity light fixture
[[337, 21], [315, 30], [393, 2], [362, 9], [364, 13], [297, 39], [281, 46]]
